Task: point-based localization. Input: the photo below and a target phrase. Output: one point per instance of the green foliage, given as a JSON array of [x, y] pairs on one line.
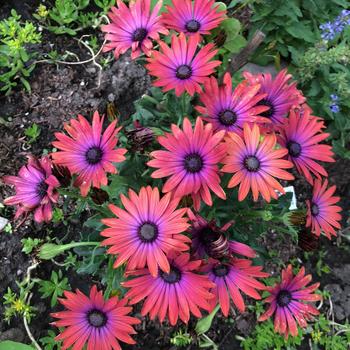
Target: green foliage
[[71, 16], [16, 305], [49, 342], [29, 244], [55, 287], [264, 337], [15, 55], [12, 345], [324, 70], [32, 132], [204, 324], [290, 25], [181, 339]]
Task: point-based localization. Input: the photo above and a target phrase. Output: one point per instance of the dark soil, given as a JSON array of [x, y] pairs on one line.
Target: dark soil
[[58, 94]]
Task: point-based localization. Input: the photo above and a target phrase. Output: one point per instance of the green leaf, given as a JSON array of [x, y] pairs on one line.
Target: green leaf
[[236, 44], [231, 26], [300, 31], [204, 324], [12, 345]]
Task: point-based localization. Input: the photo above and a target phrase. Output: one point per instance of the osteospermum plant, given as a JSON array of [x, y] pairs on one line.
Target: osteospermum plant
[[176, 203]]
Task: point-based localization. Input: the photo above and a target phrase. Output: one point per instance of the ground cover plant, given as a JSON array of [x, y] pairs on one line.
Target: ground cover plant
[[159, 190]]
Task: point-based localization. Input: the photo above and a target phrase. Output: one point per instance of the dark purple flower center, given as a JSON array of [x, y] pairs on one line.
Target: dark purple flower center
[[221, 270], [284, 298], [270, 112], [173, 276], [294, 149], [193, 163], [94, 155], [41, 189], [139, 34], [192, 26], [315, 210], [148, 232], [227, 117], [252, 163], [97, 318], [183, 72], [207, 235]]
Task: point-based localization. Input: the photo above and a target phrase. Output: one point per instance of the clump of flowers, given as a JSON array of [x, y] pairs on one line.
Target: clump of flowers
[[176, 211], [330, 30]]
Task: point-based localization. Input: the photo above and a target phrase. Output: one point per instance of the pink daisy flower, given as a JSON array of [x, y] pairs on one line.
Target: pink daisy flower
[[322, 214], [134, 27], [191, 160], [289, 302], [229, 109], [94, 322], [175, 294], [189, 17], [281, 94], [301, 135], [210, 240], [255, 163], [230, 279], [183, 66], [88, 152], [146, 231], [35, 189]]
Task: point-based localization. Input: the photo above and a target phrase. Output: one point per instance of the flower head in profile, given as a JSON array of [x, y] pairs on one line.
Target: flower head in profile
[[210, 240], [175, 294], [322, 213], [35, 189], [190, 17], [281, 94], [133, 28], [182, 67], [190, 161], [301, 135], [88, 152], [230, 279], [229, 109], [146, 230], [93, 321], [255, 164], [289, 302]]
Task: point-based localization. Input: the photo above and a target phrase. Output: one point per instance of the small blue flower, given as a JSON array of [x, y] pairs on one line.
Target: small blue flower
[[334, 97], [334, 108]]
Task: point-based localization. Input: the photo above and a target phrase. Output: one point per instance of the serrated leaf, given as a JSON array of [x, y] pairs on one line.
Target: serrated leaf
[[236, 44], [300, 31]]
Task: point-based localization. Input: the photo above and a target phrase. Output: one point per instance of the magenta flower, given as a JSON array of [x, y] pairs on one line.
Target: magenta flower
[[190, 161], [229, 109], [146, 230], [134, 27], [184, 66], [282, 95], [35, 189], [210, 240], [94, 322], [289, 302], [177, 294], [301, 135], [88, 152], [190, 17], [230, 279]]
